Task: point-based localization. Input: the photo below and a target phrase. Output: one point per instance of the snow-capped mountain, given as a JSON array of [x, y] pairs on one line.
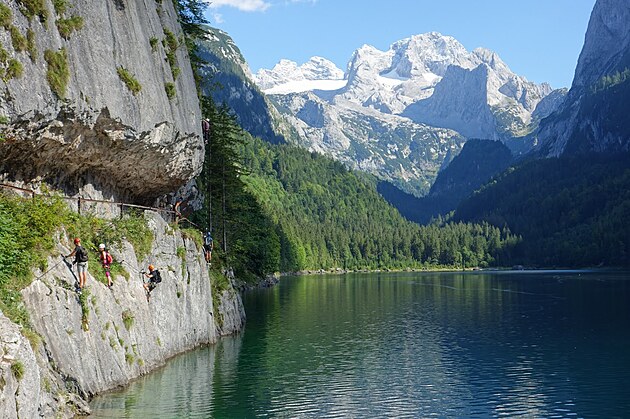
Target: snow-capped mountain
[[429, 79], [288, 77], [391, 147]]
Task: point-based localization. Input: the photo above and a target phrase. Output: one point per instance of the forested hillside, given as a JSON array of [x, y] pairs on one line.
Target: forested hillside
[[328, 216], [478, 161], [570, 211], [281, 208]]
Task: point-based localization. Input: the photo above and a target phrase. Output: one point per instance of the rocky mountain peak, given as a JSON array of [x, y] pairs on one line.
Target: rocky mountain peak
[[593, 116], [428, 53], [607, 43], [318, 68], [430, 79], [287, 71], [493, 60]]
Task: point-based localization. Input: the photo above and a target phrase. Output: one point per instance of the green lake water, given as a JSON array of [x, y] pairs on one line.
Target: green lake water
[[479, 344]]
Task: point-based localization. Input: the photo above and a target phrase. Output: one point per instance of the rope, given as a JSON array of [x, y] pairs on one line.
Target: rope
[[50, 269], [190, 222], [98, 201]]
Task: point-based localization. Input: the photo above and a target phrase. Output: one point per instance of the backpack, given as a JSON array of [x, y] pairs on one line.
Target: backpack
[[157, 278], [208, 240], [81, 254], [108, 258]]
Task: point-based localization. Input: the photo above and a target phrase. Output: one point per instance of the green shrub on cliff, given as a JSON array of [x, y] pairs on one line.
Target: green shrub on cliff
[[58, 73], [127, 318], [153, 41], [6, 17], [14, 70], [18, 40], [60, 6], [26, 238], [32, 8], [69, 25], [31, 44], [17, 368], [130, 81], [170, 90]]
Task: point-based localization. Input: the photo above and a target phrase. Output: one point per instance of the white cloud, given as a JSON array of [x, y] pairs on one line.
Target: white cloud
[[217, 18], [243, 5]]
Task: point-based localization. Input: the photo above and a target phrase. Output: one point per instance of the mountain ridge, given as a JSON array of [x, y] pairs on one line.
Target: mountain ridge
[[429, 82]]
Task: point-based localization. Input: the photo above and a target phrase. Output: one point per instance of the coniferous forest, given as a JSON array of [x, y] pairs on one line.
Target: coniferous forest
[[281, 208], [570, 211], [276, 207]]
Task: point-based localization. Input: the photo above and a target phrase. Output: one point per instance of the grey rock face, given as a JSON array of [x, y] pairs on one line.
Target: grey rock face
[[606, 44], [391, 147], [422, 88], [125, 335], [458, 102], [591, 120], [133, 146], [19, 395]]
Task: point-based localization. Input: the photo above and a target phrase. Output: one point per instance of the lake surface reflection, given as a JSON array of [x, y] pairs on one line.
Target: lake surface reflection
[[543, 344]]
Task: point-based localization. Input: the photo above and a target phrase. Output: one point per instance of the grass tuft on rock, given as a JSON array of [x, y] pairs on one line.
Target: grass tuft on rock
[[14, 70], [18, 40], [130, 81], [31, 44], [18, 369], [6, 16], [67, 26], [171, 92], [60, 6], [84, 299], [4, 55], [154, 43], [129, 358], [34, 8], [127, 318], [58, 73]]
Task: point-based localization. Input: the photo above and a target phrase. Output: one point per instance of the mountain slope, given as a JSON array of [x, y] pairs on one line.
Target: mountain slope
[[330, 217], [430, 80], [574, 209], [388, 146], [571, 211], [478, 161], [593, 116], [231, 84]]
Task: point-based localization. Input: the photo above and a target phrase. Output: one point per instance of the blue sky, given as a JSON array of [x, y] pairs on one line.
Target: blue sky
[[538, 39]]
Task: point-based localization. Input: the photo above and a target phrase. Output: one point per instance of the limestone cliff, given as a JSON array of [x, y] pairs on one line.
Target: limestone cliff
[[593, 118], [116, 335], [97, 96]]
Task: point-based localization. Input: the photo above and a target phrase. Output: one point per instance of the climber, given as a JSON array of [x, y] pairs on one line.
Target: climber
[[81, 260], [208, 245], [106, 259], [178, 213], [154, 279], [205, 127]]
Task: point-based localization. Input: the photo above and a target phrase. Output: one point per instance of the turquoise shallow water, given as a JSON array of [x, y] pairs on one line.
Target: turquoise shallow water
[[543, 344]]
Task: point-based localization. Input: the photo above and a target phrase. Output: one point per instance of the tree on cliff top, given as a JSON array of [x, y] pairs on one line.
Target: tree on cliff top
[[191, 16]]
